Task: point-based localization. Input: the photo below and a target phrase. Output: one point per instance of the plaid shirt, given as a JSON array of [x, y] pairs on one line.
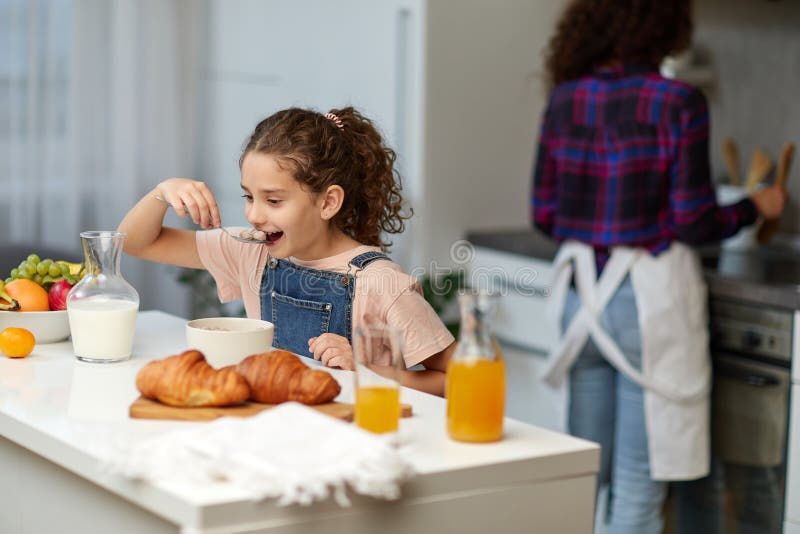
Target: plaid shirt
[[623, 160]]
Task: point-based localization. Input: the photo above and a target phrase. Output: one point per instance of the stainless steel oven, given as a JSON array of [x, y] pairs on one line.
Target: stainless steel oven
[[744, 494]]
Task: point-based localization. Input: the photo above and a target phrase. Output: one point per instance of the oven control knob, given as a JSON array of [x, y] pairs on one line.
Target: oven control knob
[[751, 339]]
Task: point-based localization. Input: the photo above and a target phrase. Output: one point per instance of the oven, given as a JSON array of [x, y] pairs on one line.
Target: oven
[[745, 491]]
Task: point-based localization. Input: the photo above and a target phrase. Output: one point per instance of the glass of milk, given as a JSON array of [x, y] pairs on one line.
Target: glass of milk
[[102, 306]]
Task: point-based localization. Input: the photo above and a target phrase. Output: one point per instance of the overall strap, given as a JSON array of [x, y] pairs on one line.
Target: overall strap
[[362, 260]]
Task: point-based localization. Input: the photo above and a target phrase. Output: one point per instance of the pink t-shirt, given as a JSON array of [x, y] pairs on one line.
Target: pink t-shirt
[[384, 294]]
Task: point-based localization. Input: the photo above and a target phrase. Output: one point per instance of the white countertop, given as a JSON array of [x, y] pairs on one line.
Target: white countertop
[[61, 408]]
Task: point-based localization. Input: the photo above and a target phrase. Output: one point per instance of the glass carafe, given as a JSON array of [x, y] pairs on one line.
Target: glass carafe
[[476, 381], [102, 307]]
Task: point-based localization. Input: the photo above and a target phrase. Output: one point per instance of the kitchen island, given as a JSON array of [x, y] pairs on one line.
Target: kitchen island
[[54, 411]]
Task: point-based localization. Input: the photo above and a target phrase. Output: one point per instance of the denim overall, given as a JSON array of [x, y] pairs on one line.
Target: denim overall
[[303, 303]]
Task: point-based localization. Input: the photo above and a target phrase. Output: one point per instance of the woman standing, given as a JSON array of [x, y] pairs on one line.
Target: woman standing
[[622, 180]]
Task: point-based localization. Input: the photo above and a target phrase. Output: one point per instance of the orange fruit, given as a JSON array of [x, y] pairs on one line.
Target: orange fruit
[[16, 342], [30, 295]]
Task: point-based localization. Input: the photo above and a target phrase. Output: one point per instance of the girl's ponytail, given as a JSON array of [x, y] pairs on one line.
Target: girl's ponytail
[[375, 200]]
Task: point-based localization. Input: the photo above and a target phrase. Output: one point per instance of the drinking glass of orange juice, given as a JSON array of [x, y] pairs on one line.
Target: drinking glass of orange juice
[[379, 361]]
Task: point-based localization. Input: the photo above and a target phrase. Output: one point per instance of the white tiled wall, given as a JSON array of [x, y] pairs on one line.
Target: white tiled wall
[[753, 49]]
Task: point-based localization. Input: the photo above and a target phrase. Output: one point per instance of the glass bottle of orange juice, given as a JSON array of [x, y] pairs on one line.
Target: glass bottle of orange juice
[[476, 381]]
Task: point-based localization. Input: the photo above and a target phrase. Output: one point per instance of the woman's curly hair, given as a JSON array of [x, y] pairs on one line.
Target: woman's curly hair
[[320, 153], [592, 33]]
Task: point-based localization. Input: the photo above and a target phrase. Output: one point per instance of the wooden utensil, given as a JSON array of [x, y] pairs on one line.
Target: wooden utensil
[[730, 155], [768, 228], [143, 408], [760, 165]]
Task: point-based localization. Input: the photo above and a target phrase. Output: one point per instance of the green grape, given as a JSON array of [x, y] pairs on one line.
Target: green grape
[[33, 258], [54, 270], [30, 270], [47, 262], [14, 273], [41, 268], [38, 279], [64, 269]]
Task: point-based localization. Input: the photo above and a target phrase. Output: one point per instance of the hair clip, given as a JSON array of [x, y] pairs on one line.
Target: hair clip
[[335, 120]]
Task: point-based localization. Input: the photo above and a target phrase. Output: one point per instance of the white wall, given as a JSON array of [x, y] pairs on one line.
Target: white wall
[[455, 87], [264, 56], [753, 48], [484, 96]]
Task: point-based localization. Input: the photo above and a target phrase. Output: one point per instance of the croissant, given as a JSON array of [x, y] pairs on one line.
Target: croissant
[[187, 380], [279, 376]]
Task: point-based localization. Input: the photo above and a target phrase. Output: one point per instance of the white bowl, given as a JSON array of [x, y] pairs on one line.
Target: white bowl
[[228, 340], [745, 238], [46, 326]]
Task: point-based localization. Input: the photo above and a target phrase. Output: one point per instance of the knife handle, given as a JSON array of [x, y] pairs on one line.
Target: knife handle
[[785, 161]]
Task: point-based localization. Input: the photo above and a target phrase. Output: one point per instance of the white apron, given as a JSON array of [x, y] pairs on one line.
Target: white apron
[[676, 365]]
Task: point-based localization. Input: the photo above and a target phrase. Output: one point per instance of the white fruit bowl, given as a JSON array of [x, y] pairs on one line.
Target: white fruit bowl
[[228, 340], [46, 326], [745, 238]]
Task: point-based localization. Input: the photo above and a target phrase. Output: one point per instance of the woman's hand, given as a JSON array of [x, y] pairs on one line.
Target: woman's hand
[[770, 201], [333, 351], [193, 198]]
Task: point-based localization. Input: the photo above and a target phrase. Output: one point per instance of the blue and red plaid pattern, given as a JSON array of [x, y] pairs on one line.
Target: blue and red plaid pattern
[[623, 160]]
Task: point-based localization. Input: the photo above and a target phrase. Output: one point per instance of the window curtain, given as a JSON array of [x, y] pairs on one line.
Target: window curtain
[[98, 105]]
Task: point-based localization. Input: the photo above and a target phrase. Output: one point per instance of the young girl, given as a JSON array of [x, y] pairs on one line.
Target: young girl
[[322, 189]]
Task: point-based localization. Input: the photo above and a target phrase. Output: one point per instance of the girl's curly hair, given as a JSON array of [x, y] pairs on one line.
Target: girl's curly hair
[[320, 153], [592, 33]]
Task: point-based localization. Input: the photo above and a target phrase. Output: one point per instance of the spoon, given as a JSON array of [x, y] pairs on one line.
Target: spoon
[[251, 240], [243, 239]]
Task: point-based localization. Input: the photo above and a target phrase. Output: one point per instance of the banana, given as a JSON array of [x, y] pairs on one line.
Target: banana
[[6, 302], [74, 268]]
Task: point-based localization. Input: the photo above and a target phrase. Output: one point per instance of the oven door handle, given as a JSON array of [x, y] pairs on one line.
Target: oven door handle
[[748, 377]]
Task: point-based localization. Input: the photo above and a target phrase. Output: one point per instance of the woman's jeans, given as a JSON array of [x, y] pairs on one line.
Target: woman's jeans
[[607, 408]]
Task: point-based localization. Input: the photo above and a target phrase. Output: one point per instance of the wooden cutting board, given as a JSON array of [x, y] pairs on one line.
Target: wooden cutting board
[[143, 408]]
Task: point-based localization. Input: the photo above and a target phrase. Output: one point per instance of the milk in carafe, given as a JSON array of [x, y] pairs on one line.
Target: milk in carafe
[[102, 306], [102, 328]]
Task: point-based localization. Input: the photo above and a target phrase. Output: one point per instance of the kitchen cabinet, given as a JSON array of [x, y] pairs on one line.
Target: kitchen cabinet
[[523, 284], [792, 513], [57, 415], [456, 88], [524, 330]]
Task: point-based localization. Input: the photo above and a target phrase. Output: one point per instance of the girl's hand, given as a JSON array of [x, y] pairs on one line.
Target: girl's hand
[[193, 198], [332, 350]]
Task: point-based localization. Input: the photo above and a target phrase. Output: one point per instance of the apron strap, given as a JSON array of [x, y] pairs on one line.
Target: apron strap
[[594, 298]]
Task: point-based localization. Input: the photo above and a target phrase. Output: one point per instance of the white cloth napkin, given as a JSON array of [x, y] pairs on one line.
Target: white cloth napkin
[[290, 452]]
